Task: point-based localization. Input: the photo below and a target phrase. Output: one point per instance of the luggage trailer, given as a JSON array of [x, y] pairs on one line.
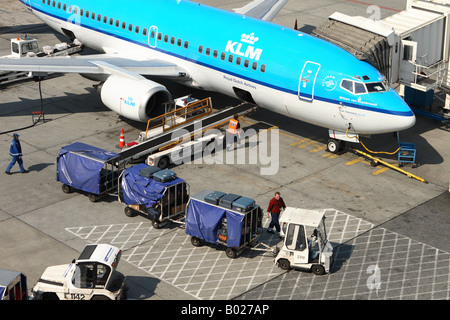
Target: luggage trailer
[[224, 224], [82, 167], [160, 201]]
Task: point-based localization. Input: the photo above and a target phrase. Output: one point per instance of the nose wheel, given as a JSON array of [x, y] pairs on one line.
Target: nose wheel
[[335, 146]]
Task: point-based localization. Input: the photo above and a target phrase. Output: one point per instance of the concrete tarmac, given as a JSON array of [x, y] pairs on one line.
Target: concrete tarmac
[[379, 211]]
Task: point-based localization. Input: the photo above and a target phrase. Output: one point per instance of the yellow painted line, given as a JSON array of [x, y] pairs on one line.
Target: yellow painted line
[[380, 171], [300, 141], [354, 161], [330, 155], [319, 148]]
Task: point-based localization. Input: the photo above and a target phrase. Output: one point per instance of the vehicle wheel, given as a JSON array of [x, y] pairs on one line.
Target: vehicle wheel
[[49, 296], [334, 146], [156, 224], [129, 212], [318, 269], [284, 264], [196, 242], [100, 298], [230, 252], [66, 188], [164, 162], [93, 197]]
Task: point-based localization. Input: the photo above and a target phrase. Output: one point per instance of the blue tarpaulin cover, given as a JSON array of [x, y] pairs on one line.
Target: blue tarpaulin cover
[[203, 221], [141, 190], [79, 166]]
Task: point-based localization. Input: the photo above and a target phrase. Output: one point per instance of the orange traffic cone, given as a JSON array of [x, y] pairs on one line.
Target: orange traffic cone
[[122, 140]]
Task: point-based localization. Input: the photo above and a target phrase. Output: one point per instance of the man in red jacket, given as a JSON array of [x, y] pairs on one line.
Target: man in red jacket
[[274, 210]]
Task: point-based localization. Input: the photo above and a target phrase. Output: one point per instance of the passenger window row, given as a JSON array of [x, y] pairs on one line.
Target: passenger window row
[[160, 36], [112, 22], [232, 59]]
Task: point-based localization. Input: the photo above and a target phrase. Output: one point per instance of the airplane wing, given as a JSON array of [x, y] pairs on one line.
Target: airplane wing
[[262, 9], [94, 64]]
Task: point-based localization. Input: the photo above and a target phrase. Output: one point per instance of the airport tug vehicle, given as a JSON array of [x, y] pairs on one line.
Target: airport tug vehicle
[[299, 251], [92, 276]]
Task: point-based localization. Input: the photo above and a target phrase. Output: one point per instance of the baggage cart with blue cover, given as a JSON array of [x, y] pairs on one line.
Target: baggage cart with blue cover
[[207, 222], [160, 201], [90, 169], [13, 285]]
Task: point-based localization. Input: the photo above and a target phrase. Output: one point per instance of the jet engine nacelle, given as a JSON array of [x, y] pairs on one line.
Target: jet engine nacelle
[[134, 99]]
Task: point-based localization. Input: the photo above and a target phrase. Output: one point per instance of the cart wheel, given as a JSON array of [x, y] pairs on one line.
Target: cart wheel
[[230, 252], [156, 224], [93, 197], [129, 212], [318, 269], [164, 162], [66, 188], [284, 264], [196, 242]]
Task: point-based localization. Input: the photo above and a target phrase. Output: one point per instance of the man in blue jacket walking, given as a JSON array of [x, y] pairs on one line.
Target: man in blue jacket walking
[[15, 151]]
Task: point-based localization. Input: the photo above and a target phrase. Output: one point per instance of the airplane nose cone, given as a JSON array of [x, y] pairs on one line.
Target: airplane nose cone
[[407, 122]]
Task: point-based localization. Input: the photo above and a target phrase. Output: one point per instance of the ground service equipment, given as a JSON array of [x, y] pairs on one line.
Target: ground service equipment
[[13, 285], [162, 202], [299, 250], [215, 224], [92, 276], [86, 168]]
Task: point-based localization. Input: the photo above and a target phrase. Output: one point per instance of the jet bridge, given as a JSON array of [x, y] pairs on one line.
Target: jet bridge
[[410, 47]]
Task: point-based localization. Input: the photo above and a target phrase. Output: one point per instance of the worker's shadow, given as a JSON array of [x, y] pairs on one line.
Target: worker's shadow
[[341, 253], [141, 288], [39, 167]]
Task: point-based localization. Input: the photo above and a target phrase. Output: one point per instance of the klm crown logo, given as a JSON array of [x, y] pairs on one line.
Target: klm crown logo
[[249, 38], [245, 48]]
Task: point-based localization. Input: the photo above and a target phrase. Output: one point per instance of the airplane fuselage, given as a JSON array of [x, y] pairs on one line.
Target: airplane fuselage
[[278, 68]]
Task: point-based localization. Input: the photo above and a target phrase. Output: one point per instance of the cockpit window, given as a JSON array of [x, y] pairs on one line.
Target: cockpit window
[[360, 88], [375, 87], [347, 85], [357, 87]]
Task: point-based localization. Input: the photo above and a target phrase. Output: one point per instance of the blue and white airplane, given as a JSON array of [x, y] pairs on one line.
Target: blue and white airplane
[[240, 54]]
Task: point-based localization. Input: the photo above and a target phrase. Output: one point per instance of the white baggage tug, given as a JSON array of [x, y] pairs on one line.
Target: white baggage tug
[[298, 251], [92, 276]]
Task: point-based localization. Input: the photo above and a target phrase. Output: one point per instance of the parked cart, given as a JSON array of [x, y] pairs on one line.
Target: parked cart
[[218, 218], [13, 285], [155, 193], [86, 168]]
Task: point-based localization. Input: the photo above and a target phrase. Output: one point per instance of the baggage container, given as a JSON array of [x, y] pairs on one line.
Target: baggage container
[[243, 204], [227, 200], [214, 197], [89, 169], [165, 175], [162, 202], [148, 171]]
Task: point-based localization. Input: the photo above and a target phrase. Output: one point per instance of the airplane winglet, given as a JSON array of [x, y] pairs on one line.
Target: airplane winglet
[[262, 9]]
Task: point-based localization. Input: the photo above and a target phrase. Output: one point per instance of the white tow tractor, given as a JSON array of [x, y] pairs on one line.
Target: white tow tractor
[[92, 276], [29, 47], [298, 251]]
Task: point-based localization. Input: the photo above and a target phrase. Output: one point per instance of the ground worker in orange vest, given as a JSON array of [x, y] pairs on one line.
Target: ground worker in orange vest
[[233, 132]]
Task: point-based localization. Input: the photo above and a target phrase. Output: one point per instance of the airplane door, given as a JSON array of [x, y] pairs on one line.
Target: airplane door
[[308, 80], [408, 60], [153, 36]]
